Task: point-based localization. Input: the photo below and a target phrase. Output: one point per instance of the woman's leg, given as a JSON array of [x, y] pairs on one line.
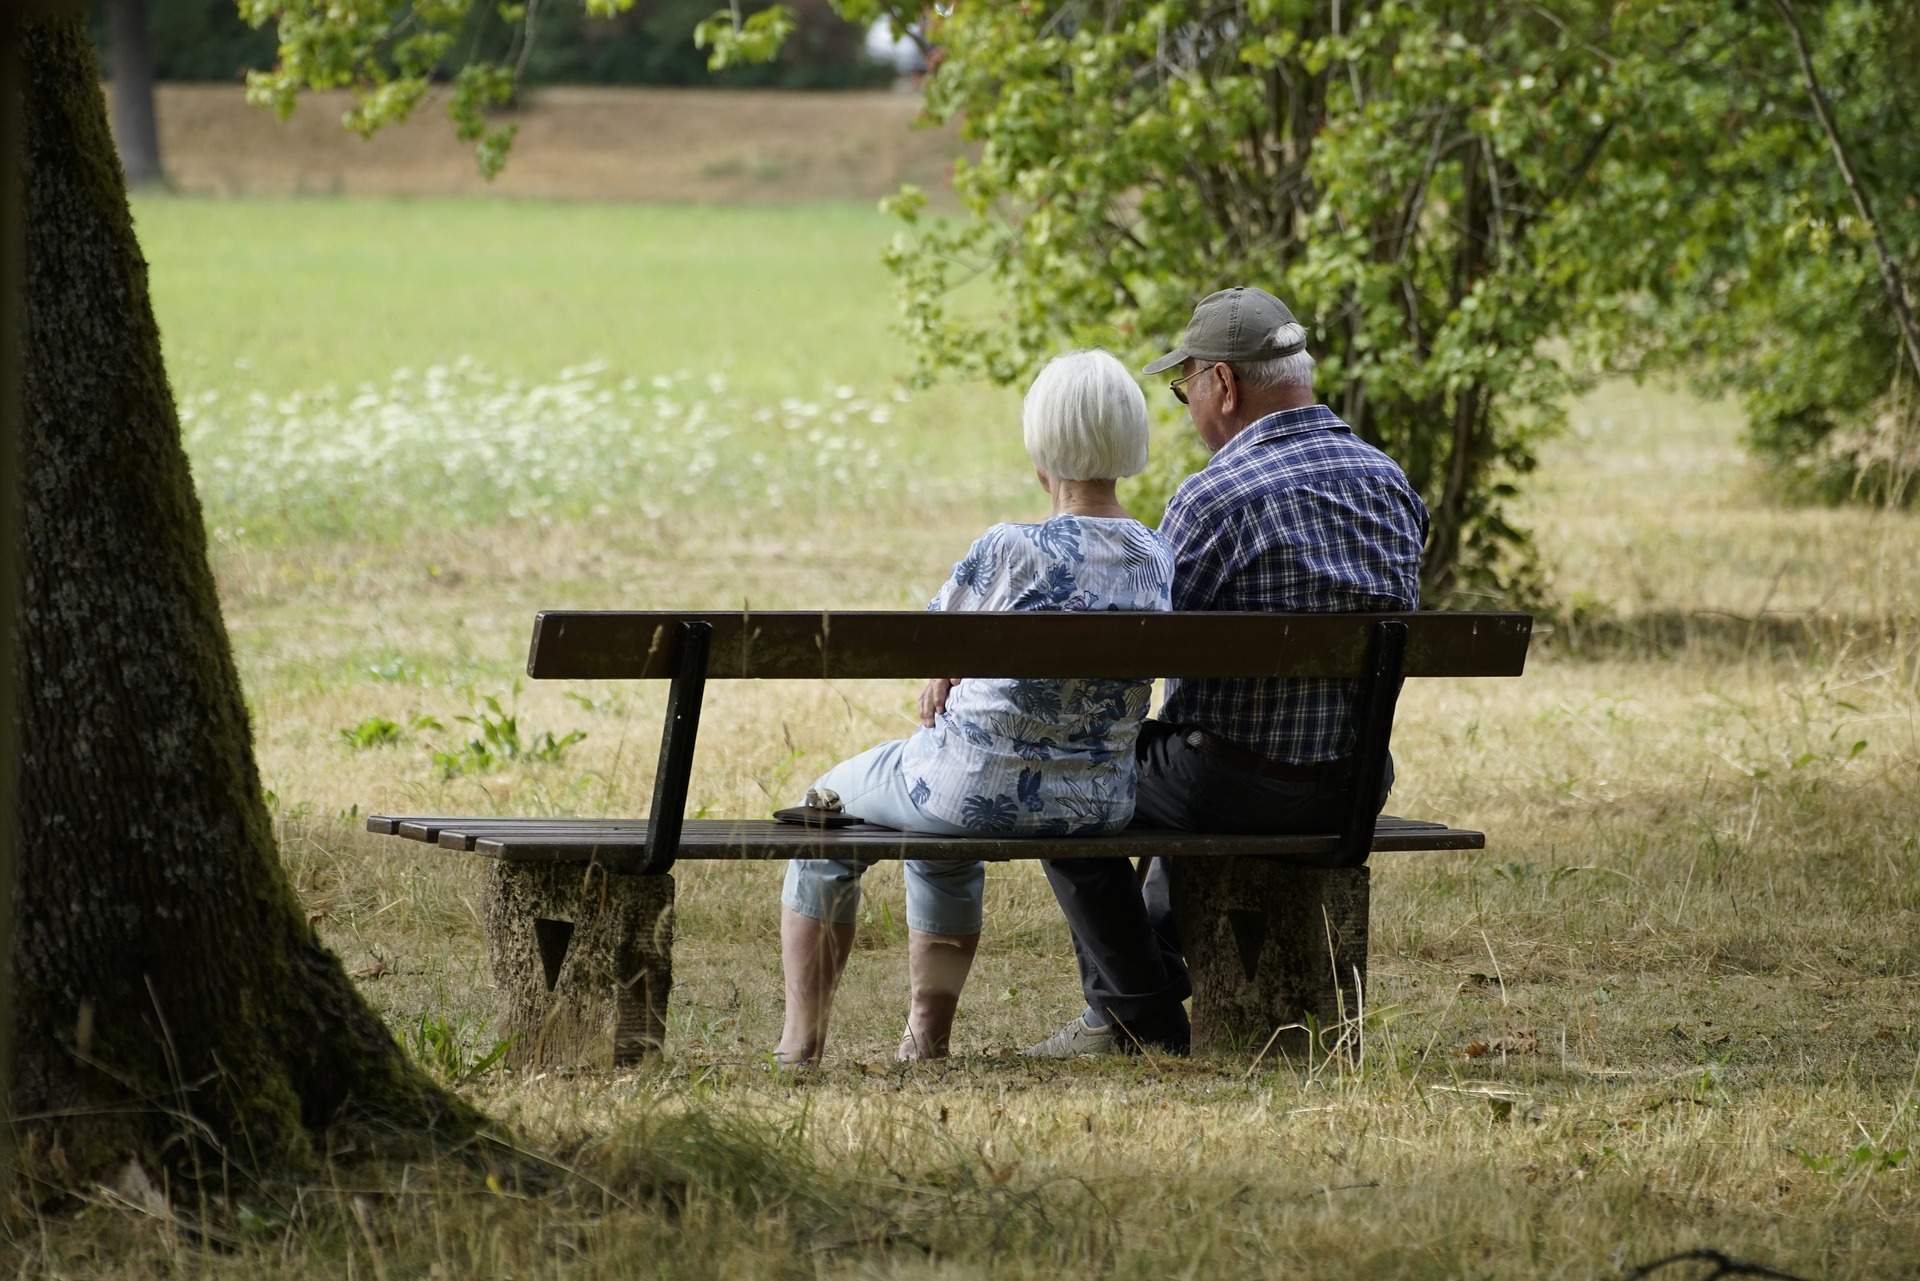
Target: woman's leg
[[943, 933], [937, 966], [822, 899], [812, 954], [943, 918], [817, 909], [818, 906]]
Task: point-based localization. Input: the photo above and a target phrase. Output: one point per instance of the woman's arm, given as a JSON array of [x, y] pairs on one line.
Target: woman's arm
[[974, 584], [973, 581]]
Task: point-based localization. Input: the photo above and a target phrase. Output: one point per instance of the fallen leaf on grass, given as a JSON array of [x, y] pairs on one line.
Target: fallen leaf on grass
[[1523, 1041], [377, 969], [1519, 1041]]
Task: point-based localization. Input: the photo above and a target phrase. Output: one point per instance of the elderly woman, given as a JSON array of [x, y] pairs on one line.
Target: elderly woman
[[1005, 757]]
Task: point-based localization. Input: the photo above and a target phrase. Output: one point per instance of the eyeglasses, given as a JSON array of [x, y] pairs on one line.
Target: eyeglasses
[[1178, 385]]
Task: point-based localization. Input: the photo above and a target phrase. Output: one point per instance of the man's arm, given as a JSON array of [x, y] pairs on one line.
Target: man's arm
[[1206, 547]]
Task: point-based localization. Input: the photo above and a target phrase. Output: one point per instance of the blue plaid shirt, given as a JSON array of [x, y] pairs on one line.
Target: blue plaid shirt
[[1295, 514]]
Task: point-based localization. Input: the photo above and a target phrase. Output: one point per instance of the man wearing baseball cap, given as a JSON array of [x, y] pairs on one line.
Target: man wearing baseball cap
[[1293, 513]]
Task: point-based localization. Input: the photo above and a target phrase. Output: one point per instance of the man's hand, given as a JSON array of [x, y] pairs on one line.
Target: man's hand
[[933, 698]]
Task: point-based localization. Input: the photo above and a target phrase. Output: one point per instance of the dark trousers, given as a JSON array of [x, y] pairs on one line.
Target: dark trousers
[[1131, 967]]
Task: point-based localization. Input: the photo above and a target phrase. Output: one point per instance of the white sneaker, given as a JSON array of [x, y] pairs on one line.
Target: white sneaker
[[1076, 1040]]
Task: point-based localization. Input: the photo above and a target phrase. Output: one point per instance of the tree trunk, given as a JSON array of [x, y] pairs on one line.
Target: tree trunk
[[1470, 403], [13, 325], [130, 45], [171, 1001]]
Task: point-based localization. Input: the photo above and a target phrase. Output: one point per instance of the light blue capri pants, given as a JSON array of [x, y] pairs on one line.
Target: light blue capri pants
[[943, 897]]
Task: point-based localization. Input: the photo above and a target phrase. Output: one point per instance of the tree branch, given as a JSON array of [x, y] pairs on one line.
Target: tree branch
[[1889, 270]]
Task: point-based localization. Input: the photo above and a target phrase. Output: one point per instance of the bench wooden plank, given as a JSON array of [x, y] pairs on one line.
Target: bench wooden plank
[[849, 645], [619, 851], [438, 831], [389, 824], [461, 832], [620, 844]]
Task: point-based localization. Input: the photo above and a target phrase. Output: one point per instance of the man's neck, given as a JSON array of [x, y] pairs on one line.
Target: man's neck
[[1268, 402]]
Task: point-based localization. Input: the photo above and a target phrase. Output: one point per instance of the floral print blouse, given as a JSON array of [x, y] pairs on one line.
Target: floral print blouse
[[1042, 757]]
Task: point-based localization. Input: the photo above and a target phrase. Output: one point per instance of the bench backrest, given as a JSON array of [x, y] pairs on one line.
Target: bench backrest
[[849, 645], [1374, 650]]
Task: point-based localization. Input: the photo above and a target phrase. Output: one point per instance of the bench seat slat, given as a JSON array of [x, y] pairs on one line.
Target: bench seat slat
[[618, 843], [461, 834], [431, 828], [390, 824]]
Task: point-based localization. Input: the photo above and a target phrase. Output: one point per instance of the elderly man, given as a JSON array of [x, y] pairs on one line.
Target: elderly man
[[1292, 513]]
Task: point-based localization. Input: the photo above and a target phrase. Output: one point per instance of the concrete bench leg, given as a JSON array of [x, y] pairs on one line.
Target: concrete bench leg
[[582, 960], [1270, 945]]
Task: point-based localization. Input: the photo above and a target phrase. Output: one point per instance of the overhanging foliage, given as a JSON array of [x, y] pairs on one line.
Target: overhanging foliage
[[1475, 208]]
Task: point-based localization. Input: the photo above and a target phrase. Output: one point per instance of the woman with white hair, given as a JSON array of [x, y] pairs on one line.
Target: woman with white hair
[[999, 757]]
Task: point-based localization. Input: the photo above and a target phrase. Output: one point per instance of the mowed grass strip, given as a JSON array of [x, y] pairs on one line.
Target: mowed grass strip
[[1670, 1006]]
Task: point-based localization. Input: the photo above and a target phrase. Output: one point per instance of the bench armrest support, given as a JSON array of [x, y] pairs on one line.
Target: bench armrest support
[[675, 769], [1373, 710]]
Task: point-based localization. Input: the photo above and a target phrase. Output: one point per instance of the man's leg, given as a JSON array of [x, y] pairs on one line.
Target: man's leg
[[1128, 973], [1169, 773], [1124, 937], [1157, 893]]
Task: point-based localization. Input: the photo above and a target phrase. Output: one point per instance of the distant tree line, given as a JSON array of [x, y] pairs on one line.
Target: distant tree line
[[651, 44]]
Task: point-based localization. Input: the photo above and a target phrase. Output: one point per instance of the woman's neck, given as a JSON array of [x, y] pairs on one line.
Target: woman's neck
[[1086, 498]]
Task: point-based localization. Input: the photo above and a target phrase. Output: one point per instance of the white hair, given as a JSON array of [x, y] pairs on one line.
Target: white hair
[[1085, 418], [1283, 371]]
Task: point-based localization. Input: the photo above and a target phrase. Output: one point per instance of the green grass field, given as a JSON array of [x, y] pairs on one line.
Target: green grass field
[[1671, 1006], [368, 368]]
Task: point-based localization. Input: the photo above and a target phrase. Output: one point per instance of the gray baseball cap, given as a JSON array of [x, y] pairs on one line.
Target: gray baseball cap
[[1234, 325]]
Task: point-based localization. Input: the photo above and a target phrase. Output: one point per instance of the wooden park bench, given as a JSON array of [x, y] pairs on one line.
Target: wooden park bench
[[580, 911]]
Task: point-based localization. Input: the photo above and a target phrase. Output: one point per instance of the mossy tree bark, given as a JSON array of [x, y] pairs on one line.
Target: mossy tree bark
[[171, 1000]]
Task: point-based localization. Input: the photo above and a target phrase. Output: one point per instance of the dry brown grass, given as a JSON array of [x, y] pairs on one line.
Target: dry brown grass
[[1689, 954]]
